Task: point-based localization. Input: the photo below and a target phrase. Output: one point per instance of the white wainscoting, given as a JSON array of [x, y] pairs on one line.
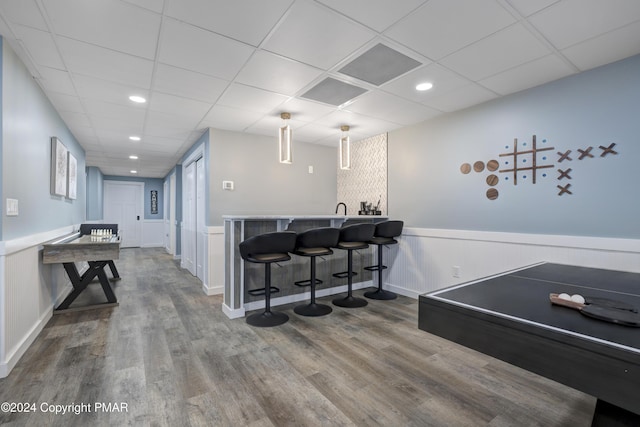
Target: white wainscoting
[[29, 291], [424, 259], [215, 261], [153, 233]]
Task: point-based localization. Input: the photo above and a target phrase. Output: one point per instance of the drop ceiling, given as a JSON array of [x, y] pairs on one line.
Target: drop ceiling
[[236, 65]]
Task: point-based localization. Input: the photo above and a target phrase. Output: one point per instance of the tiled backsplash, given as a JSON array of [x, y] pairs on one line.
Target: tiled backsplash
[[366, 181]]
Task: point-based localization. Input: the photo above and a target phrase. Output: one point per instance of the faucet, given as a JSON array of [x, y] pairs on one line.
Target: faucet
[[345, 208]]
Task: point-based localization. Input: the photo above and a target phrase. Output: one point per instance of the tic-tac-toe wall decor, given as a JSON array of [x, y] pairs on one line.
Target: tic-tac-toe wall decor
[[529, 162]]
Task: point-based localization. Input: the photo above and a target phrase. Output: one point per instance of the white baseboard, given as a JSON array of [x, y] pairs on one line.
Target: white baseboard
[[212, 290]]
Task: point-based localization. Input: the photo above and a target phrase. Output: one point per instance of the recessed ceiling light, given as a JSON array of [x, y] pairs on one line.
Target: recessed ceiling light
[[132, 157], [134, 138], [424, 86], [138, 99], [133, 171]]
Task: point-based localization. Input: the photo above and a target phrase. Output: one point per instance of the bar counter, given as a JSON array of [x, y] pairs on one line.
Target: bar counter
[[241, 276]]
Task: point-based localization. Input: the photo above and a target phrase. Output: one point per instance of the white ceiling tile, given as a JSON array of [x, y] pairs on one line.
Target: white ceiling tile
[[505, 49], [75, 119], [154, 5], [529, 7], [64, 102], [94, 88], [107, 23], [41, 47], [124, 113], [439, 27], [248, 21], [305, 111], [103, 124], [83, 58], [230, 118], [24, 12], [357, 122], [609, 47], [317, 36], [275, 73], [573, 21], [313, 133], [460, 98], [377, 104], [56, 81], [376, 14], [443, 81], [179, 106], [252, 99], [158, 120], [528, 75], [168, 125], [207, 53], [188, 84]]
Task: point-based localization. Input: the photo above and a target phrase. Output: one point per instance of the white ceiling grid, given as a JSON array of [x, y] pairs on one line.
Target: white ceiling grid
[[237, 65]]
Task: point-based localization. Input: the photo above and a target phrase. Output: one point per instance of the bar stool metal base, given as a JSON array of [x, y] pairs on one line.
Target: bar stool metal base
[[267, 319], [350, 302], [380, 294], [312, 309]]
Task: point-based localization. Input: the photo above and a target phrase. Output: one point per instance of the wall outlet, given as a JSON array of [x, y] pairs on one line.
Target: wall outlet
[[227, 185], [455, 271], [310, 169]]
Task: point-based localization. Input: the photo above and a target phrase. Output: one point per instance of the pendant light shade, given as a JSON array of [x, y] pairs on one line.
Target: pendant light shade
[[345, 149], [284, 140]]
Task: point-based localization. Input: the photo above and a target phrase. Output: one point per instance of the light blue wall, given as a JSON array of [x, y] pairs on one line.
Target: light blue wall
[[149, 185], [594, 108], [95, 194], [29, 121], [262, 185]]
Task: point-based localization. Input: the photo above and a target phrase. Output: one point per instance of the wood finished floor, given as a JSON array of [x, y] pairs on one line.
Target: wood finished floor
[[170, 353]]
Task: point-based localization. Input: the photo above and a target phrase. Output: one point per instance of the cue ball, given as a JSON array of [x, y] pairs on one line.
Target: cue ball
[[577, 298], [565, 296]]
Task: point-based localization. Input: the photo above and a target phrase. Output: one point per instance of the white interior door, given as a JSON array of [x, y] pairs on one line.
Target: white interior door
[[200, 223], [123, 205], [189, 218]]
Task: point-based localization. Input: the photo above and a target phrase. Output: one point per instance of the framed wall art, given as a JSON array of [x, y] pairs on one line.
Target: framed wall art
[[72, 177], [58, 167]]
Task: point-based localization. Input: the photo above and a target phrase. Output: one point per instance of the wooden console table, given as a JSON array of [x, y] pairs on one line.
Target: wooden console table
[[98, 251]]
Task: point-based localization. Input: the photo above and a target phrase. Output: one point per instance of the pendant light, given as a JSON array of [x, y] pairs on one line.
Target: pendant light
[[345, 148], [284, 140]]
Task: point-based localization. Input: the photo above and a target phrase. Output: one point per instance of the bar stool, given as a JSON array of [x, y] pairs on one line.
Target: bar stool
[[352, 238], [313, 243], [384, 235], [266, 249]]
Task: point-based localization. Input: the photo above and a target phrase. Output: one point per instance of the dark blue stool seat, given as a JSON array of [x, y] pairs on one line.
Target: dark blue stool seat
[[385, 234], [266, 249], [352, 238], [314, 243]]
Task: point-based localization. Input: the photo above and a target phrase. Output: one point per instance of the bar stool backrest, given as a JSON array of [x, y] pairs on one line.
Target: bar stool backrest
[[279, 242], [389, 229], [357, 233], [324, 237]]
